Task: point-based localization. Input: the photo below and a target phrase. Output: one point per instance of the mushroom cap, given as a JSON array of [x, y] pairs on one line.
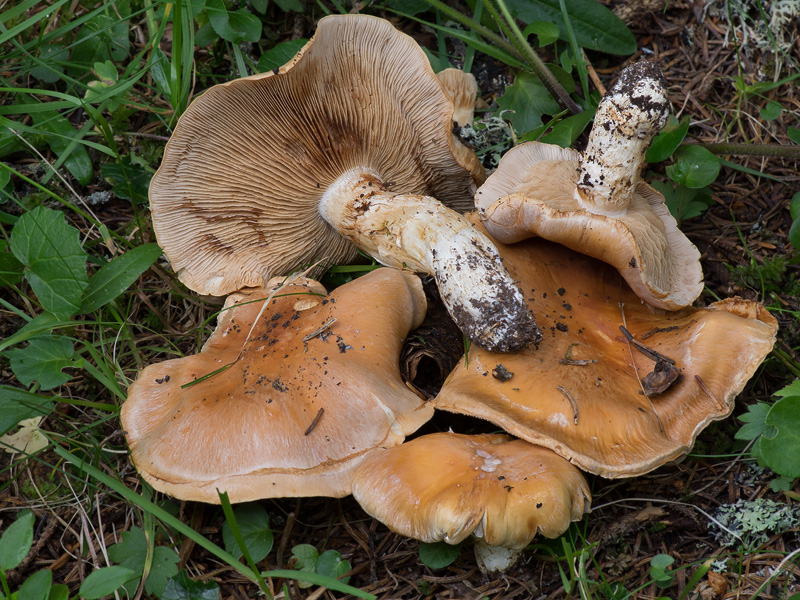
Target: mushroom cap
[[315, 389], [584, 358], [502, 490], [533, 192], [462, 89], [235, 200]]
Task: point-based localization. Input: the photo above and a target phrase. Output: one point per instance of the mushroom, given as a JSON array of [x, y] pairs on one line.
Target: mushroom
[[342, 148], [503, 491], [306, 395], [594, 203], [613, 387]]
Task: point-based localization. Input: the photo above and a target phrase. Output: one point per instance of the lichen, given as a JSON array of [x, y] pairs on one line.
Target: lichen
[[772, 32], [752, 522]]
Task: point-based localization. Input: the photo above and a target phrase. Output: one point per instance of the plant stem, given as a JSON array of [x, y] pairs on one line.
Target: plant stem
[[770, 150], [536, 64]]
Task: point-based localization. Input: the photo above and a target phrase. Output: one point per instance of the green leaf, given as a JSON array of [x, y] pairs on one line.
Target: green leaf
[[567, 130], [290, 5], [159, 70], [668, 140], [59, 591], [130, 181], [44, 360], [181, 587], [17, 405], [16, 541], [37, 586], [527, 100], [546, 32], [43, 241], [118, 275], [794, 234], [164, 567], [61, 141], [683, 202], [260, 5], [794, 134], [771, 111], [755, 420], [102, 38], [254, 526], [793, 389], [105, 581], [10, 269], [50, 54], [695, 167], [781, 451], [280, 55], [305, 556], [595, 26], [235, 27], [438, 555], [331, 564], [794, 206]]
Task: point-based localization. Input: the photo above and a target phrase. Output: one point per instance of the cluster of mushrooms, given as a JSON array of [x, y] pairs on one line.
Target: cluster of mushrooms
[[571, 280]]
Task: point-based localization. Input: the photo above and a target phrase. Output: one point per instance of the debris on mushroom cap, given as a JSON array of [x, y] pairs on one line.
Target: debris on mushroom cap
[[342, 148], [594, 203], [501, 490], [308, 394], [582, 393]]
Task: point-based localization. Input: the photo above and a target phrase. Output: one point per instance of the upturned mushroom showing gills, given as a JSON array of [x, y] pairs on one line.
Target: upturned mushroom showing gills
[[613, 387], [344, 147], [306, 395], [594, 203], [502, 491]]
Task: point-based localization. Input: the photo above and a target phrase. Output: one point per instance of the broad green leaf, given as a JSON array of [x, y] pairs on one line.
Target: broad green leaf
[[118, 275], [331, 564], [439, 554], [130, 181], [16, 541], [280, 54], [48, 246], [793, 389], [529, 100], [771, 111], [794, 134], [595, 26], [106, 72], [780, 450], [694, 167], [44, 360], [60, 139], [105, 581], [305, 556], [181, 587], [755, 422], [50, 55], [794, 208], [253, 524], [130, 553], [794, 234], [10, 269], [17, 405], [567, 130], [102, 38], [59, 591], [164, 567], [668, 140], [546, 31], [235, 27], [260, 5], [159, 70], [684, 202], [37, 586], [290, 5]]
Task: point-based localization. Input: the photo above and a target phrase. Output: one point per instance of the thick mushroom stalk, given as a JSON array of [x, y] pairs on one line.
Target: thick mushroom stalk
[[627, 119], [420, 233]]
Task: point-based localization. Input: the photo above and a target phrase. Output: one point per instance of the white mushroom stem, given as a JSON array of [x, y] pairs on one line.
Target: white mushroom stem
[[420, 233], [627, 119], [494, 559]]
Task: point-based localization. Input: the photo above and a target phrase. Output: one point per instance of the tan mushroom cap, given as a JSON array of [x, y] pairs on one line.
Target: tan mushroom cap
[[445, 486], [462, 89], [236, 198], [316, 388], [532, 192], [585, 369]]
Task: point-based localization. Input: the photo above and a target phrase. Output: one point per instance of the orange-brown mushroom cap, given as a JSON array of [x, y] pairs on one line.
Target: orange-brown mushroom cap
[[581, 392], [236, 198], [315, 389], [445, 486]]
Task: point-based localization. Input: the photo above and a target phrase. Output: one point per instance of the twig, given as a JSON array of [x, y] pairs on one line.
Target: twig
[[574, 404], [770, 150], [648, 352], [315, 421], [320, 330], [708, 392]]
